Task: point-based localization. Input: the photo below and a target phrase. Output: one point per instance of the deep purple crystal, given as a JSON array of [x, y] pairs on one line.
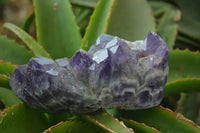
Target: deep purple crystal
[[113, 73]]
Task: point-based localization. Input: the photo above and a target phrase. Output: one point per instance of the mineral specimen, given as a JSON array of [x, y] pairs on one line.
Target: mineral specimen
[[113, 73]]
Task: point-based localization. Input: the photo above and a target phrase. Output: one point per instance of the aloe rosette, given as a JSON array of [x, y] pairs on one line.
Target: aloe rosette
[[99, 77]]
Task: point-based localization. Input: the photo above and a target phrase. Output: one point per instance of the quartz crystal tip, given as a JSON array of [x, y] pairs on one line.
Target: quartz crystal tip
[[113, 73]]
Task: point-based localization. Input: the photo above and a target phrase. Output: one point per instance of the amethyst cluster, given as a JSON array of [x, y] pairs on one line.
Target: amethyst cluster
[[113, 73]]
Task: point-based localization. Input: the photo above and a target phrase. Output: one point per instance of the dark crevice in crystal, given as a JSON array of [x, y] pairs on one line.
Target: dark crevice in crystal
[[145, 97]]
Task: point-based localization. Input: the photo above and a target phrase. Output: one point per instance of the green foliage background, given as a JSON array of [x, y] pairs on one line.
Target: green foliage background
[[64, 26]]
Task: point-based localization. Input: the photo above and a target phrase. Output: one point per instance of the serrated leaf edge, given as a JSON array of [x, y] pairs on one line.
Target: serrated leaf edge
[[22, 46], [63, 122], [10, 39], [130, 130], [141, 124], [8, 63], [52, 127], [109, 16], [178, 116], [4, 112], [4, 76], [7, 26], [172, 82], [185, 50]]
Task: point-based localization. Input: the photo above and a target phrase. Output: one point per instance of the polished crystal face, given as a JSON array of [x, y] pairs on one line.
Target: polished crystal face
[[113, 73]]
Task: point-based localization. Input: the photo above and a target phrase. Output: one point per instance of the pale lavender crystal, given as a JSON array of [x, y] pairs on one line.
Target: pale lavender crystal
[[113, 73]]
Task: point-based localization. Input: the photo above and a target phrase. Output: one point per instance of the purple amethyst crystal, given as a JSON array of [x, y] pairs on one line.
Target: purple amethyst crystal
[[113, 73]]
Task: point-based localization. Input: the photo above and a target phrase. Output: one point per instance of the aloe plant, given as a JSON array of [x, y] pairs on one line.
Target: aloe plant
[[60, 26]]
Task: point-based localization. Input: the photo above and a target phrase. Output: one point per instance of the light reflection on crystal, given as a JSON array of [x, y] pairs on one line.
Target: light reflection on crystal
[[104, 38], [52, 72], [43, 60], [114, 49], [112, 42], [92, 67], [100, 55], [138, 45]]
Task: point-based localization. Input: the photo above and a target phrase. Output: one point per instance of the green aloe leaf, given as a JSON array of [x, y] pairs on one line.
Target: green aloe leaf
[[190, 21], [82, 17], [159, 7], [85, 3], [20, 118], [183, 64], [98, 23], [27, 23], [10, 51], [188, 105], [70, 126], [6, 68], [56, 118], [27, 39], [168, 27], [188, 85], [107, 122], [162, 119], [184, 72], [189, 42], [4, 81], [8, 97], [139, 127], [183, 45], [131, 19], [57, 30], [82, 13]]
